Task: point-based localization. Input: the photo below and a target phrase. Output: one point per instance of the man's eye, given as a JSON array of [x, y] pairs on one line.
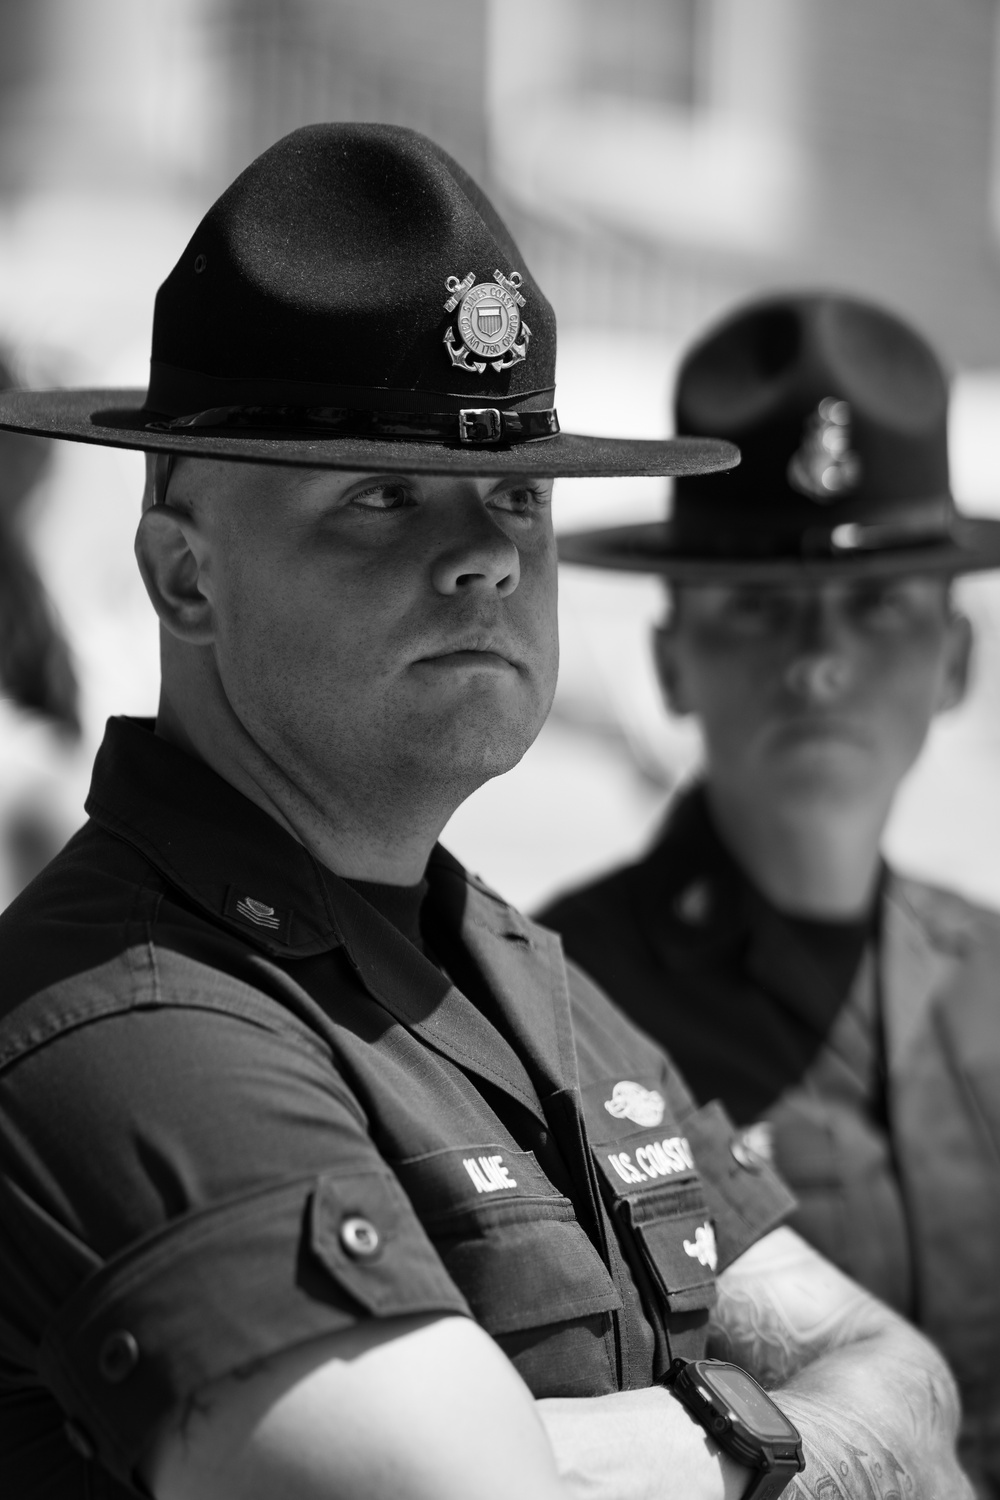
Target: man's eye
[[383, 496], [522, 500], [756, 612], [884, 607]]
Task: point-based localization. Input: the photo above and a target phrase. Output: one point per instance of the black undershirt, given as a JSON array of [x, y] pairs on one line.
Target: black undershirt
[[835, 946], [399, 904]]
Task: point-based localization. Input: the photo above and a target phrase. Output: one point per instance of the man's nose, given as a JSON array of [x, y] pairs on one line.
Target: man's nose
[[820, 669], [818, 678], [480, 559]]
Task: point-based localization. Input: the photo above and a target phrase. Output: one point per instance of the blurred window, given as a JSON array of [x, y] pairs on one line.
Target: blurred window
[[641, 49]]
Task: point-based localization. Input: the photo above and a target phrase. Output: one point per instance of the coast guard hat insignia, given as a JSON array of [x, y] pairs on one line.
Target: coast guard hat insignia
[[824, 467], [488, 323]]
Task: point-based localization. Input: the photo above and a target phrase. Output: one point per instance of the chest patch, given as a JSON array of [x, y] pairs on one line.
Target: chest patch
[[651, 1160], [475, 1178], [702, 1246], [630, 1101], [489, 1174]]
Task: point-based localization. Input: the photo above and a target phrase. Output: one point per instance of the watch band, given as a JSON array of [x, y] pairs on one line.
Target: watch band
[[768, 1484]]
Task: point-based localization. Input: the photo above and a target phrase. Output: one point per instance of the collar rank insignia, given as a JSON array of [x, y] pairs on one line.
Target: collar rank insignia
[[824, 467], [694, 904], [488, 323], [250, 911]]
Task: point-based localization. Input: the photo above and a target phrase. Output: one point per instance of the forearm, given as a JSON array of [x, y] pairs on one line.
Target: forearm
[[879, 1421], [637, 1445], [874, 1401]]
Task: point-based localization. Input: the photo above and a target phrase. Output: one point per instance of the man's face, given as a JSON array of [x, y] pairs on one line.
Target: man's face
[[381, 628], [816, 692]]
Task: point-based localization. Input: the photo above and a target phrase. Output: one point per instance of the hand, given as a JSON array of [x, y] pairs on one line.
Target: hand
[[637, 1445]]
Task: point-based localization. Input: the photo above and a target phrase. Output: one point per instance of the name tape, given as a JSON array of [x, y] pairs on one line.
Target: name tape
[[657, 1159], [488, 1173]]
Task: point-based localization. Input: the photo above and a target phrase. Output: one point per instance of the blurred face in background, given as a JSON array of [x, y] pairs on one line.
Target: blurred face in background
[[813, 693]]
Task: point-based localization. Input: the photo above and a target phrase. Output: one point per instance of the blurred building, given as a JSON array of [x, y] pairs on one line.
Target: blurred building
[[659, 156], [657, 159]]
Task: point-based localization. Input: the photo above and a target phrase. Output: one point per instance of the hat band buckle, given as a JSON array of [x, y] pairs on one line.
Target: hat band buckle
[[479, 424]]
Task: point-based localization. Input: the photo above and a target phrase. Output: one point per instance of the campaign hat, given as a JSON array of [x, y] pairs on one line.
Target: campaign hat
[[353, 300], [840, 412]]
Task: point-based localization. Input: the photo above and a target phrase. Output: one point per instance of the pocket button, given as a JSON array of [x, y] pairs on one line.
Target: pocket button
[[118, 1357], [359, 1237]]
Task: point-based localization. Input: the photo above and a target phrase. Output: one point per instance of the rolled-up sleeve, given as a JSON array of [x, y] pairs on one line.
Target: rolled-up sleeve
[[188, 1192]]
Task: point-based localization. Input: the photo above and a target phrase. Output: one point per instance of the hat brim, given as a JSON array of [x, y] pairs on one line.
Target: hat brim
[[973, 545], [114, 418]]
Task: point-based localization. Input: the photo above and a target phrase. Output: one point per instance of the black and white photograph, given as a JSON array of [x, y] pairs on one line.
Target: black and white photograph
[[499, 750]]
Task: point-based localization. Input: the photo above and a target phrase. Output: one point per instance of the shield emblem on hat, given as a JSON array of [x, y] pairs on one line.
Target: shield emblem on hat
[[489, 319], [824, 467]]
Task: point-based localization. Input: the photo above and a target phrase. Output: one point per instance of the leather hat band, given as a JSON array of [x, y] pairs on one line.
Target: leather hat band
[[473, 426], [869, 527]]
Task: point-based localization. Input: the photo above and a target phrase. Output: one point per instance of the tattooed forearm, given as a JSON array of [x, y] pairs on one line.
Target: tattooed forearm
[[873, 1400], [775, 1326], [845, 1458]]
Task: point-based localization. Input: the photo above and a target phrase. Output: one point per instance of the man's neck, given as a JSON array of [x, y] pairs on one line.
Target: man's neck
[[359, 843], [813, 858]]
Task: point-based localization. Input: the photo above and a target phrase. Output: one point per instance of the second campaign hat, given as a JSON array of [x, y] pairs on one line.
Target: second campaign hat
[[353, 301], [840, 412]]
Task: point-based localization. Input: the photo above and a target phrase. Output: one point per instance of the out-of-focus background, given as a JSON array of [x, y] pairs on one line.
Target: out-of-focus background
[[657, 160]]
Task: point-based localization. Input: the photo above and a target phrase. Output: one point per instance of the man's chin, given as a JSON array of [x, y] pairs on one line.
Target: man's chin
[[473, 738], [824, 772]]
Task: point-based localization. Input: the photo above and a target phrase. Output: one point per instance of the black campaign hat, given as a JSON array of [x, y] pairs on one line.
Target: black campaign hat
[[840, 411], [353, 301]]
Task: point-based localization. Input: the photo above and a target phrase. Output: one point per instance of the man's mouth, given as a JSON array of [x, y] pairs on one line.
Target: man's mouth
[[819, 727], [472, 650]]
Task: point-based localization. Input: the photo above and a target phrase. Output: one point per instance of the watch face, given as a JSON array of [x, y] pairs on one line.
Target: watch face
[[745, 1398]]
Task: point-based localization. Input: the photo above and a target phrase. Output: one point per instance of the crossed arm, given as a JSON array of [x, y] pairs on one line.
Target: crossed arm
[[874, 1401], [423, 1408]]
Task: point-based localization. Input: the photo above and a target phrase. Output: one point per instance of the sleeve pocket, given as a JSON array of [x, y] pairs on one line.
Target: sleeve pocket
[[363, 1231]]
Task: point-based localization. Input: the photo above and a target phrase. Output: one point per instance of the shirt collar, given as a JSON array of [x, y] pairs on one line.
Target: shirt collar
[[235, 861], [247, 873], [226, 854]]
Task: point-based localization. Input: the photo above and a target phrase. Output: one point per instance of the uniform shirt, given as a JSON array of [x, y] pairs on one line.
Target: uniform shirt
[[240, 1109], [876, 1093]]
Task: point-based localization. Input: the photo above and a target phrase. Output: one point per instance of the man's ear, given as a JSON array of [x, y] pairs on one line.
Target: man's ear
[[668, 668], [958, 663], [172, 556]]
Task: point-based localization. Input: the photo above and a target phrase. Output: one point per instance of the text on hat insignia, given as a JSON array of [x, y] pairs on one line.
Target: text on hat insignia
[[824, 466], [630, 1101], [488, 323]]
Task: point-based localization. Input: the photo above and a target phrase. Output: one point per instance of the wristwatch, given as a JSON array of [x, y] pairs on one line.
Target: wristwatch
[[743, 1420]]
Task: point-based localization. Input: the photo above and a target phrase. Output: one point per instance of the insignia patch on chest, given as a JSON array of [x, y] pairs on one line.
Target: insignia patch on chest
[[702, 1248], [630, 1101]]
